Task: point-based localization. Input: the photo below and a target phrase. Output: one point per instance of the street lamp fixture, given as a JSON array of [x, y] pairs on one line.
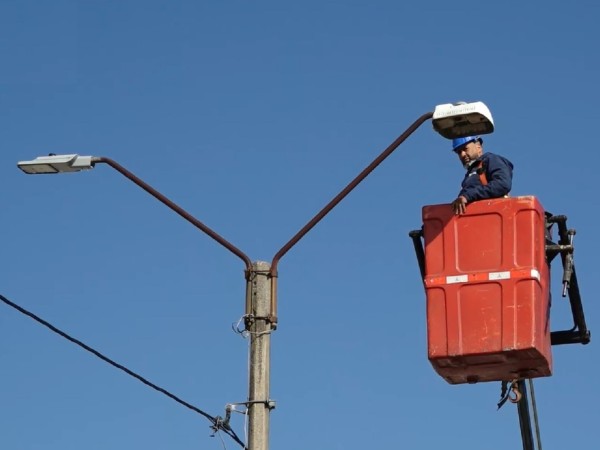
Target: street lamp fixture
[[56, 164], [454, 120]]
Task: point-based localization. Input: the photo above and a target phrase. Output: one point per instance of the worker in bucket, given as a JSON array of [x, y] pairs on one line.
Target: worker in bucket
[[488, 175]]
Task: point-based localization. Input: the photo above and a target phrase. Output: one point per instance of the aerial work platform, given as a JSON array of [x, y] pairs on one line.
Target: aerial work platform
[[487, 285], [486, 275]]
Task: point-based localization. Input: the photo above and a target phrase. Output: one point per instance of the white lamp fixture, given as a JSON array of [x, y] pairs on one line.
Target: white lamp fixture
[[453, 120], [56, 164]]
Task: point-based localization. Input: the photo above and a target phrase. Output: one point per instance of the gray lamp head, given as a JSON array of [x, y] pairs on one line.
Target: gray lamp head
[[454, 120], [56, 164]]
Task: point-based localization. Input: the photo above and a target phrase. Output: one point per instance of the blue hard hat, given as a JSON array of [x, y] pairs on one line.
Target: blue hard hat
[[459, 142]]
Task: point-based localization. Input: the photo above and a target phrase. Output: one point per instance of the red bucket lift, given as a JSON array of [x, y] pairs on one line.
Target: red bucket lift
[[486, 275]]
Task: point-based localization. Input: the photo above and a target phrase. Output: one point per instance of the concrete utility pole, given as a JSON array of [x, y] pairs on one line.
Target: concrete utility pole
[[259, 325]]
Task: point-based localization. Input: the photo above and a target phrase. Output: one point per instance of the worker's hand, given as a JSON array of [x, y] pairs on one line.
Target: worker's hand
[[459, 206]]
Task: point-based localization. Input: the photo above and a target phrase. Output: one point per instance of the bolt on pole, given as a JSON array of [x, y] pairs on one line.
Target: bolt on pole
[[259, 325]]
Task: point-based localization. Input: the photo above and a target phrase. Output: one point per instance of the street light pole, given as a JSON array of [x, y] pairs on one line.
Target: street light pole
[[449, 120], [259, 326]]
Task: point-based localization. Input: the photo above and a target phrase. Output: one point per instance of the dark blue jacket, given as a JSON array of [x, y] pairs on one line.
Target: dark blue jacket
[[498, 171]]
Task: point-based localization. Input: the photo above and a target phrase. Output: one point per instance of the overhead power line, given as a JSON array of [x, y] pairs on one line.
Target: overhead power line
[[217, 422]]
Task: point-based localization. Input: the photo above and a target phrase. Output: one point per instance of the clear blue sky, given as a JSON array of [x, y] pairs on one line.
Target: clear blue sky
[[252, 115]]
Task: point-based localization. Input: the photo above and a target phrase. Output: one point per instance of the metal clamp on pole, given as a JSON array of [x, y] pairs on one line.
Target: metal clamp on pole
[[271, 404]]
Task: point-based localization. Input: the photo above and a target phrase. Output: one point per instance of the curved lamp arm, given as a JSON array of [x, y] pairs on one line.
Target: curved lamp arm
[[332, 204], [338, 198], [75, 163], [178, 209]]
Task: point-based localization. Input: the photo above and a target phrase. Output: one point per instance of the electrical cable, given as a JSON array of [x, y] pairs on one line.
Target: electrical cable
[[245, 334], [221, 438], [247, 411], [216, 422]]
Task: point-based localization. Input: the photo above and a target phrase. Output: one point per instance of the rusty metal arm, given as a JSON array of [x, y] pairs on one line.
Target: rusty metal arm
[[178, 209], [335, 201]]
